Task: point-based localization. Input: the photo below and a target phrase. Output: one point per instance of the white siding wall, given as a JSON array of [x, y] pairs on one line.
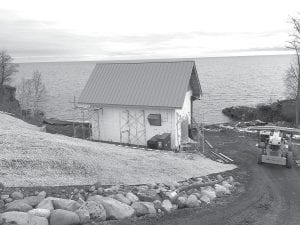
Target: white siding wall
[[111, 122]]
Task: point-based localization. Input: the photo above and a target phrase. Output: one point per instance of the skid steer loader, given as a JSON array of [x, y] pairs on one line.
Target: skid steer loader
[[275, 145]]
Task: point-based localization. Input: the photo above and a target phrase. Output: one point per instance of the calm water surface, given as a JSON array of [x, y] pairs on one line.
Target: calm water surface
[[225, 81]]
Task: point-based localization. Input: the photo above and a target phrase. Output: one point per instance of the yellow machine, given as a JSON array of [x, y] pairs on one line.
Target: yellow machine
[[275, 145]]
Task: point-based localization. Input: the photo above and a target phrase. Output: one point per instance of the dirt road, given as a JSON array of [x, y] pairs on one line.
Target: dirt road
[[271, 196]]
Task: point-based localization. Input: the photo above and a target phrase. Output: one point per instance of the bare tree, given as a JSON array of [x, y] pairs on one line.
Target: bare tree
[[292, 80], [24, 93], [32, 92], [39, 90], [7, 67]]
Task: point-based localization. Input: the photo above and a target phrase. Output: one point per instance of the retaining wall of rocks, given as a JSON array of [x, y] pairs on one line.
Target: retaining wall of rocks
[[96, 203]]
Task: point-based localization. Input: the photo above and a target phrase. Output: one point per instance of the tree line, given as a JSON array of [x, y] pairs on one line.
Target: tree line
[[31, 92], [292, 80]]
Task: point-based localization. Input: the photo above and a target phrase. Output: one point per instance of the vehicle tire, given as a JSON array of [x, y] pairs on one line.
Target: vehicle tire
[[289, 159], [259, 156]]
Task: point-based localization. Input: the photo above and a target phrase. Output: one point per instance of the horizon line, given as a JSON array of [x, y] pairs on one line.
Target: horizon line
[[154, 58]]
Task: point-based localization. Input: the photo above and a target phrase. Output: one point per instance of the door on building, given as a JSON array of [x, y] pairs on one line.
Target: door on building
[[133, 129]]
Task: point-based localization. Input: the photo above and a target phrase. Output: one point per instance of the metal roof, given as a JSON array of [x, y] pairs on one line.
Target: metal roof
[[141, 83]]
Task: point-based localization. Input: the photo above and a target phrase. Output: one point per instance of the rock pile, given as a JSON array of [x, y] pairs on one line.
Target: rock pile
[[114, 203]]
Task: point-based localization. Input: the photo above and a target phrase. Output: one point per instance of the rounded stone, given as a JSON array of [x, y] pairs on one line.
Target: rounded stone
[[8, 200], [132, 197], [22, 218], [64, 217], [2, 204], [92, 188], [121, 198], [100, 191], [32, 200], [42, 194], [84, 215], [40, 212], [143, 208], [166, 205], [157, 204], [17, 195], [95, 209], [192, 201], [181, 201], [3, 197], [18, 205]]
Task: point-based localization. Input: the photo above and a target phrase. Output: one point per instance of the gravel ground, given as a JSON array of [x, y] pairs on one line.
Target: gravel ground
[[270, 196], [30, 157]]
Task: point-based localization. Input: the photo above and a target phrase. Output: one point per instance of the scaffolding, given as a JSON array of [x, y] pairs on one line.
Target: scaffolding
[[87, 113], [133, 127]]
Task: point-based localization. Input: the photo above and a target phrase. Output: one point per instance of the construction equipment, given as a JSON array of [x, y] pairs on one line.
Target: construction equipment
[[275, 144]]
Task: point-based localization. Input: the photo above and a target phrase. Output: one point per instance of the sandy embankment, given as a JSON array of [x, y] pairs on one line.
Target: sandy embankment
[[30, 157]]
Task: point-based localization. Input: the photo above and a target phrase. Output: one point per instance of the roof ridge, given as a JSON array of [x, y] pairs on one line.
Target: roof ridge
[[146, 62]]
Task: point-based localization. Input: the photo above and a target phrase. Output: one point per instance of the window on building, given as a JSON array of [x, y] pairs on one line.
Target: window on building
[[154, 119]]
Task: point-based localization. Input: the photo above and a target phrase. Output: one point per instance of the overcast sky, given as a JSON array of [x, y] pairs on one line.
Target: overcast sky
[[65, 30]]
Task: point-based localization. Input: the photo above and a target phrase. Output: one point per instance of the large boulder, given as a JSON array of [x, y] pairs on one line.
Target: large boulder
[[66, 204], [132, 197], [18, 205], [8, 200], [181, 201], [22, 218], [64, 217], [172, 184], [2, 204], [95, 209], [221, 190], [143, 208], [42, 194], [114, 209], [157, 204], [227, 185], [40, 212], [121, 198], [148, 195], [32, 200], [205, 198], [3, 197], [192, 201], [172, 195], [210, 193], [84, 215], [16, 195], [166, 205], [46, 204], [37, 220]]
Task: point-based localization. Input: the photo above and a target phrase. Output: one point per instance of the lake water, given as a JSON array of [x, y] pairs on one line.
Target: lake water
[[225, 81]]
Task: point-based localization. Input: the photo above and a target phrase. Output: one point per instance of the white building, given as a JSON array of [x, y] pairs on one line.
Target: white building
[[136, 100]]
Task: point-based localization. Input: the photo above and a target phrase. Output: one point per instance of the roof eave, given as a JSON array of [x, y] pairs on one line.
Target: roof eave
[[129, 106]]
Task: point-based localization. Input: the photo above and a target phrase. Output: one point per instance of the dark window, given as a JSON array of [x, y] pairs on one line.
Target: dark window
[[154, 119]]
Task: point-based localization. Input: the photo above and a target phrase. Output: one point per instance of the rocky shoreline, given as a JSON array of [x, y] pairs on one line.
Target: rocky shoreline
[[282, 111], [92, 204], [243, 126]]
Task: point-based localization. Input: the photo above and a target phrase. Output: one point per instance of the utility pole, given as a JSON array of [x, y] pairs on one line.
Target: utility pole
[[83, 134], [203, 140], [74, 105]]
